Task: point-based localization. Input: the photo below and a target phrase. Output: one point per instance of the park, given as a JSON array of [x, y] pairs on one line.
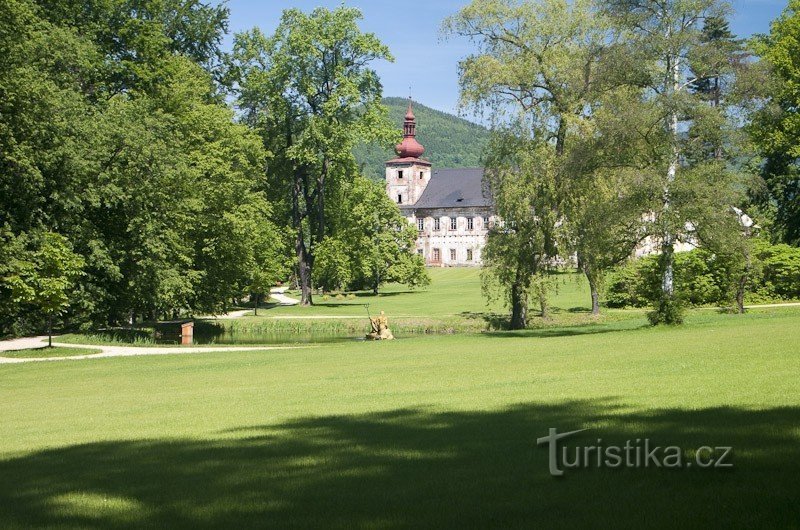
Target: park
[[245, 284]]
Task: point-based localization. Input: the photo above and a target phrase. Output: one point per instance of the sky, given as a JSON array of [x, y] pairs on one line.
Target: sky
[[426, 66]]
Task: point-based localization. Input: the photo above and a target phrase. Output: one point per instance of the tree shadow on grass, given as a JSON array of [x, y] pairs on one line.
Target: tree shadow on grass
[[416, 467], [569, 331]]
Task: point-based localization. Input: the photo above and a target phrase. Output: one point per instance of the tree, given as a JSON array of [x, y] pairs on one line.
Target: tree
[[670, 38], [310, 93], [776, 127], [520, 175], [112, 130], [610, 187], [540, 65], [373, 239], [44, 275]]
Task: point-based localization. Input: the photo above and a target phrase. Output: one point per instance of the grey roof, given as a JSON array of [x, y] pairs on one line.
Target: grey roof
[[454, 188]]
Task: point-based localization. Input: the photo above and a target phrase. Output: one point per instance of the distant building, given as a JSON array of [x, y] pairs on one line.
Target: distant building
[[450, 207]]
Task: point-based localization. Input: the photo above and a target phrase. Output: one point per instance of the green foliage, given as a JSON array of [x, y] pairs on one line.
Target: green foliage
[[450, 141], [779, 268], [309, 92], [332, 270], [776, 127], [373, 239], [538, 94], [41, 274], [705, 278], [667, 311], [44, 273], [112, 131]]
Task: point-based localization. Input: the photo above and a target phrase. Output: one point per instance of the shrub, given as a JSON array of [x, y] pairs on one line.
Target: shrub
[[704, 278], [780, 270], [666, 311]]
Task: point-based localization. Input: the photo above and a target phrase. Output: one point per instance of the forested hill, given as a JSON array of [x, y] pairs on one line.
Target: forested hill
[[449, 141]]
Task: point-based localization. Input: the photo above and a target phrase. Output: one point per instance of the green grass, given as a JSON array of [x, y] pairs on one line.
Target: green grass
[[55, 351], [431, 431], [453, 303], [453, 291]]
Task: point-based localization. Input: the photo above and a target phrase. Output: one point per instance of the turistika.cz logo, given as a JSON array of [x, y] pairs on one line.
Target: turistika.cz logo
[[639, 453]]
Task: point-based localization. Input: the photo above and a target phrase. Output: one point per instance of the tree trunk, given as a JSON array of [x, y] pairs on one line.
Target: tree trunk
[[668, 244], [304, 270], [255, 304], [667, 263], [519, 306], [594, 289], [543, 306], [595, 293], [49, 331]]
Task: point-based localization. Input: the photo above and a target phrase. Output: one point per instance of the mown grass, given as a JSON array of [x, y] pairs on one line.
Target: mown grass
[[44, 352], [431, 431], [453, 291], [453, 303]]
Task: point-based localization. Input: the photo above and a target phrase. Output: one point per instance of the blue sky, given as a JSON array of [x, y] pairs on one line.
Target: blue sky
[[411, 30]]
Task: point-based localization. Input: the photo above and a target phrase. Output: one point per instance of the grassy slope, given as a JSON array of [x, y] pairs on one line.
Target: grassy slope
[[433, 429]]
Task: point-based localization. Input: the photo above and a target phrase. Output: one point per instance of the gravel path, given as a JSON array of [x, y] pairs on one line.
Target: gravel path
[[276, 293], [113, 351]]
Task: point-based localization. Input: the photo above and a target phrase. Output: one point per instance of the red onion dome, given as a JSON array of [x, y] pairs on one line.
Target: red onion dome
[[409, 147]]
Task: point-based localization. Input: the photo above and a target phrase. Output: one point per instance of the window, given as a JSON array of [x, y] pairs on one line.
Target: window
[[485, 222], [452, 254], [419, 251], [470, 223], [420, 224], [400, 174], [421, 174], [453, 223], [469, 254], [399, 198], [436, 256], [437, 225]]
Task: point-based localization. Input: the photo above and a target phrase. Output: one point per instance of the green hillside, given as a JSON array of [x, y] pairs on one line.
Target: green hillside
[[449, 141]]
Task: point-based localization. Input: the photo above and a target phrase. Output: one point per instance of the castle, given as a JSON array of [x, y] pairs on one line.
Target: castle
[[450, 208]]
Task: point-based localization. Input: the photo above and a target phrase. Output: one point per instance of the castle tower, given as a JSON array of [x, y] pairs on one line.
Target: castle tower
[[408, 174]]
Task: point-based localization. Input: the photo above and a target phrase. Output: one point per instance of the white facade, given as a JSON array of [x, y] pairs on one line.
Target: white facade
[[453, 239], [447, 207]]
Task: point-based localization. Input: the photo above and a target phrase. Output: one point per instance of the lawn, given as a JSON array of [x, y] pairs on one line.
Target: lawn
[[453, 291], [435, 431], [452, 303]]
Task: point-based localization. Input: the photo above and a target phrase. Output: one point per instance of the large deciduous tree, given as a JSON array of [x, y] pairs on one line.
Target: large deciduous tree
[[540, 68], [113, 133], [309, 90], [689, 157]]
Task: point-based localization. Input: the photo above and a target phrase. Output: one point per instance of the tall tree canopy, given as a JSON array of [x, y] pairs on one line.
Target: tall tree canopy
[[310, 92], [112, 134], [541, 68]]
